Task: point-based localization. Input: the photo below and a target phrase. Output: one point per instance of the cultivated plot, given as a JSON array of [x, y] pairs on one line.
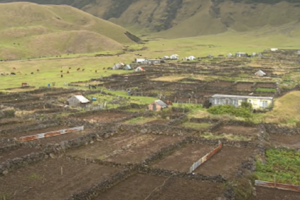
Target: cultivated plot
[[226, 162], [143, 186], [125, 148], [103, 117], [53, 179], [182, 159]]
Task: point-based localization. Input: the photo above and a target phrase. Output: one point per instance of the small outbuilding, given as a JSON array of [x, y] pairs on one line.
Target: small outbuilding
[[77, 100], [174, 57], [117, 66], [241, 54], [260, 73], [139, 60], [157, 105], [298, 52], [139, 69], [274, 49], [229, 55]]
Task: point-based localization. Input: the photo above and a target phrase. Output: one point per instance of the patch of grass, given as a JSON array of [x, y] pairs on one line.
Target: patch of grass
[[196, 125], [281, 165], [234, 137], [286, 110], [140, 120], [35, 176], [265, 90]]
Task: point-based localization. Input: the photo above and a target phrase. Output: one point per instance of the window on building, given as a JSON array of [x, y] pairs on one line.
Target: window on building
[[263, 104]]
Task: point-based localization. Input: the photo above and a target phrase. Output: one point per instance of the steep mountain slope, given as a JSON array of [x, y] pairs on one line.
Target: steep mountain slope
[[182, 18], [28, 29]]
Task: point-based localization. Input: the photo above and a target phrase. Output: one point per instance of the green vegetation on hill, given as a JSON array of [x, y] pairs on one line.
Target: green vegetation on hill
[[185, 18], [31, 30], [282, 166]]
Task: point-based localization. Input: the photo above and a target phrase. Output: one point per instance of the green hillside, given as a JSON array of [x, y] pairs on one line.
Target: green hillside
[[32, 30], [185, 18]]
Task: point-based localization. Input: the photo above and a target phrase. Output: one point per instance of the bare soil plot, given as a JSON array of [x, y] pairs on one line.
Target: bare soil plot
[[135, 187], [183, 159], [274, 194], [104, 117], [141, 186], [33, 132], [226, 162], [125, 148], [236, 130], [19, 125], [291, 141], [64, 137], [176, 188], [221, 84], [17, 153], [45, 181], [244, 86]]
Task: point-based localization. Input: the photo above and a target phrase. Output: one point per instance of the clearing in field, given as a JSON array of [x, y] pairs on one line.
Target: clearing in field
[[237, 130], [143, 186], [182, 159], [52, 179], [125, 148], [226, 162], [103, 117]]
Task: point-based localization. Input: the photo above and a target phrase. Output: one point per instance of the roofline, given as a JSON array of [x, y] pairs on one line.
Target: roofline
[[240, 96]]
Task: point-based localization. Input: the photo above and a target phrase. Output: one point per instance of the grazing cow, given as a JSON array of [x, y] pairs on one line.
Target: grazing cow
[[92, 86], [82, 70], [67, 72], [24, 84], [14, 68], [38, 70], [12, 73], [69, 67], [61, 75], [95, 71], [31, 73], [78, 69], [2, 74], [61, 71], [103, 68]]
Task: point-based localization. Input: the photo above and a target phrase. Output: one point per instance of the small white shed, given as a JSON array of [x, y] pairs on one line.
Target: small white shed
[[77, 100]]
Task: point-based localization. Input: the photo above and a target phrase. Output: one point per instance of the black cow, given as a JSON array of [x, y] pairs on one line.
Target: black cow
[[12, 73]]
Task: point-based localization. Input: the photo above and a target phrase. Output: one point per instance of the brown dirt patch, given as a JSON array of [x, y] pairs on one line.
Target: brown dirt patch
[[274, 194], [226, 162], [158, 122], [135, 187], [33, 132], [125, 148], [237, 130], [183, 159], [44, 180], [291, 141], [20, 152], [243, 86], [141, 186], [104, 117]]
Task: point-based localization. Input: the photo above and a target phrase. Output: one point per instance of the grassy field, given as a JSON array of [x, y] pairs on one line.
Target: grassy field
[[30, 30], [282, 166]]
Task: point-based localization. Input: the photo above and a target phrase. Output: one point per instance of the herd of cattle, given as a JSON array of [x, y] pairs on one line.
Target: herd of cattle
[[61, 71]]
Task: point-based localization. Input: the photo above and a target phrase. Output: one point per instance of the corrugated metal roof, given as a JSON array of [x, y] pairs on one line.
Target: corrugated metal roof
[[161, 103], [82, 99], [239, 96]]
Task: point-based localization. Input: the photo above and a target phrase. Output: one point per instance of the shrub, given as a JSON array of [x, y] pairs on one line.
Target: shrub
[[244, 111]]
